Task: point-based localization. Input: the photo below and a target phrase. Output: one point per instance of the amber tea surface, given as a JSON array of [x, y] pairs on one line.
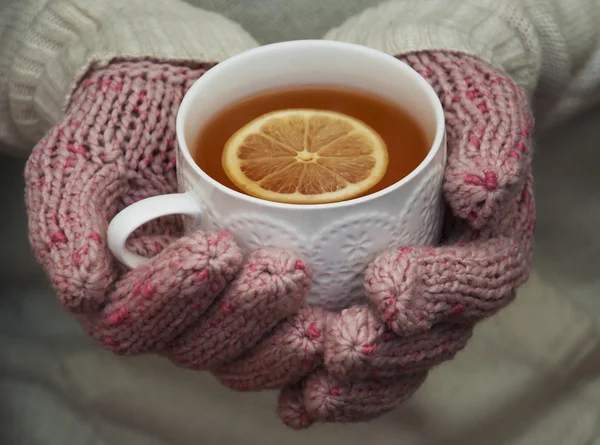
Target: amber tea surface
[[405, 140]]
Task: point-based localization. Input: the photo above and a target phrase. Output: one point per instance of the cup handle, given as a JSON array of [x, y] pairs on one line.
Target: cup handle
[[141, 212]]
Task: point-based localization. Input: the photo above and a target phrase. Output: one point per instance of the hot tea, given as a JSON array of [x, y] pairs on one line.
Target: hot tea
[[404, 138]]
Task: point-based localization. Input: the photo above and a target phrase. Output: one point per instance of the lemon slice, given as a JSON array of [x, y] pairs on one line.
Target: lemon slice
[[305, 156]]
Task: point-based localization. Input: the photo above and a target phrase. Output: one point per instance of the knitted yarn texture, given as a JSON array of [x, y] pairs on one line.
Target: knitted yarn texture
[[200, 303], [424, 301]]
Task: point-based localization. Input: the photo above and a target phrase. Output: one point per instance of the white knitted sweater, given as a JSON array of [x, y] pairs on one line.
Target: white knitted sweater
[[529, 375], [550, 46]]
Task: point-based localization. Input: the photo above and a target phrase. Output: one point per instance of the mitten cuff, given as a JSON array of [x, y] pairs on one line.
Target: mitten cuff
[[497, 32], [67, 38]]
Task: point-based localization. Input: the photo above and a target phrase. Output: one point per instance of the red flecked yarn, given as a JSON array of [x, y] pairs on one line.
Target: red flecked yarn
[[489, 124], [200, 303], [425, 300], [322, 397]]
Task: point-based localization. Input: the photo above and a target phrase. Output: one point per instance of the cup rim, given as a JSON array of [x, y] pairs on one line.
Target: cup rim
[[243, 57]]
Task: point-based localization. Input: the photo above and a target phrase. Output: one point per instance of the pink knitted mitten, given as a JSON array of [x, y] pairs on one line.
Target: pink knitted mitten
[[201, 304], [425, 301], [197, 301]]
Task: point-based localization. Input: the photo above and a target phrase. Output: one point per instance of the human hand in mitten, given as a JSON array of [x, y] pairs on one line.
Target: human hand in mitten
[[197, 300], [424, 301]]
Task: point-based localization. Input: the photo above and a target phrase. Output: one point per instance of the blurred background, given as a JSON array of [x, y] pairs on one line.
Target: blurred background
[[567, 260]]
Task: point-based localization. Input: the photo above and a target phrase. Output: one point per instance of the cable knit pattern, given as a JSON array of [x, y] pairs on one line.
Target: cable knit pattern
[[426, 300], [548, 46], [58, 41], [497, 32]]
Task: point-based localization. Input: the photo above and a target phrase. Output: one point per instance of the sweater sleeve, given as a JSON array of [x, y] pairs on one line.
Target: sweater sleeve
[[550, 47], [47, 45]]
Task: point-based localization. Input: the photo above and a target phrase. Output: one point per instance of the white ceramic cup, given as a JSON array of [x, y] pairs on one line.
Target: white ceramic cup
[[337, 240]]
